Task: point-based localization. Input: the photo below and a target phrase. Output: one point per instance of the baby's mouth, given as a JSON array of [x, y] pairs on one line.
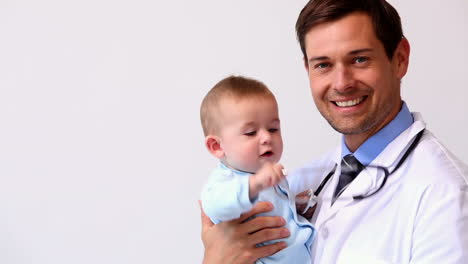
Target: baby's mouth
[[267, 154]]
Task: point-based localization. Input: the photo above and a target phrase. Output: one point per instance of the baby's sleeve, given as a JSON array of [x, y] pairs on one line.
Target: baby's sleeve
[[226, 196]]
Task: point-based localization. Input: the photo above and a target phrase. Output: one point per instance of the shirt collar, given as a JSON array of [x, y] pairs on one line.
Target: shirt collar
[[374, 145], [224, 167]]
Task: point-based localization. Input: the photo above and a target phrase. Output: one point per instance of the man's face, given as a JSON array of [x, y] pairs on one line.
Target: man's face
[[354, 84], [250, 133]]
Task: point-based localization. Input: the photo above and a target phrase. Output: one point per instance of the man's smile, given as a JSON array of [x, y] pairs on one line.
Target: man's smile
[[349, 103]]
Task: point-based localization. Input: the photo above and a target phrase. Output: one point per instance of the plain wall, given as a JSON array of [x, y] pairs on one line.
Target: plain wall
[[101, 151]]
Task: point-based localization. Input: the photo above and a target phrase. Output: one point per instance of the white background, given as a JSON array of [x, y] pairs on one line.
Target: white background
[[101, 150]]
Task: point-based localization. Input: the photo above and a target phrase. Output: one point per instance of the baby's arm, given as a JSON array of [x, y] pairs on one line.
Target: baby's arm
[[226, 196], [269, 175]]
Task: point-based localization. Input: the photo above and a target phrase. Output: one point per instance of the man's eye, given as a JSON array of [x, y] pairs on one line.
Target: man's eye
[[273, 130], [250, 133], [361, 59], [322, 65]]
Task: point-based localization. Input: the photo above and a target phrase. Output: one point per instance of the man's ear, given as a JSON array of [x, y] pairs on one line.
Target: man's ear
[[213, 145], [401, 58]]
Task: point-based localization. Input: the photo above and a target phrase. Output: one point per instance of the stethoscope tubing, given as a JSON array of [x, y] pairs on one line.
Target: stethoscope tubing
[[387, 173]]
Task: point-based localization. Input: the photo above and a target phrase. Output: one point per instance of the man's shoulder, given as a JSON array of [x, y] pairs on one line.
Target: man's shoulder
[[312, 173], [323, 163], [434, 163]]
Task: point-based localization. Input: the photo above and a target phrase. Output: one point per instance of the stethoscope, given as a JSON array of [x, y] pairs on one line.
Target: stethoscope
[[313, 199]]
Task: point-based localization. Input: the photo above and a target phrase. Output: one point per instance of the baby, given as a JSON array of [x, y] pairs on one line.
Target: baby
[[240, 121]]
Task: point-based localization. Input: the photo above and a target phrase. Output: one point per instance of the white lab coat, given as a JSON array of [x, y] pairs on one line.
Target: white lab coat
[[420, 215]]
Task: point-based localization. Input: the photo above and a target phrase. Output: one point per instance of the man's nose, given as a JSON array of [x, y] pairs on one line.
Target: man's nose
[[343, 78]]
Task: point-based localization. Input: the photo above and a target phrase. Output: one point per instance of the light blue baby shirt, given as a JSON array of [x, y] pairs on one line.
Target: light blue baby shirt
[[225, 197]]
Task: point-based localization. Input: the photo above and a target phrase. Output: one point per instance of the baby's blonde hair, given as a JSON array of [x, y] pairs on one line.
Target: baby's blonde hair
[[235, 87]]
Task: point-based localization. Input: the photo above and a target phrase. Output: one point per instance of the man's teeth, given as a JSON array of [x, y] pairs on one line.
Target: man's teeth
[[350, 102]]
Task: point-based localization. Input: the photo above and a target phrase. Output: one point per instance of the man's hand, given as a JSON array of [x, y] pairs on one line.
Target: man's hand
[[302, 202], [233, 242]]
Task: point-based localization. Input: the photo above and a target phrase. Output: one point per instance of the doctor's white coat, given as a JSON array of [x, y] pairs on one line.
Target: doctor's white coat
[[420, 215]]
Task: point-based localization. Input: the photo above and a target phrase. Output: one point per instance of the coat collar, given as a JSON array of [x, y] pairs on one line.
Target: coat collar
[[369, 178]]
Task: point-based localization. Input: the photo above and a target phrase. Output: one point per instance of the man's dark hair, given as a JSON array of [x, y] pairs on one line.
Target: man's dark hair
[[385, 19]]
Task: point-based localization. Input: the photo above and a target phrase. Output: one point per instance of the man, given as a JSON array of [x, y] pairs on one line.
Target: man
[[394, 194]]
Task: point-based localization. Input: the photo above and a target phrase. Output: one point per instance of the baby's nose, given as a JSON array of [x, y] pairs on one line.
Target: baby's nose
[[265, 137]]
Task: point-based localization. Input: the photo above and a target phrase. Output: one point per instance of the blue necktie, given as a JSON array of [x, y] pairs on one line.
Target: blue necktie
[[350, 168]]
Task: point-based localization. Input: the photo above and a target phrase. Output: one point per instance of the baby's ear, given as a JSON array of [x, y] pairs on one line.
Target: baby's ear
[[213, 145]]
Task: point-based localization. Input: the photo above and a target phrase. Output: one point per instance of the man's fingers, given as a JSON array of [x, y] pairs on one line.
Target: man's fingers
[[268, 234], [260, 207], [310, 212], [262, 222], [269, 250]]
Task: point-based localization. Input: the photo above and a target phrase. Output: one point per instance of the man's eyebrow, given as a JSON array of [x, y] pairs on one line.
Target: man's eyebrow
[[318, 58], [353, 52]]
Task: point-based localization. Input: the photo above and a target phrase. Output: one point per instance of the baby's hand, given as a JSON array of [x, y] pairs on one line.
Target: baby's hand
[[269, 175]]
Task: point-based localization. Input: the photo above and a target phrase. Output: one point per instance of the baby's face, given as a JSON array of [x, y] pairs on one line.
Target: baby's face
[[250, 133]]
